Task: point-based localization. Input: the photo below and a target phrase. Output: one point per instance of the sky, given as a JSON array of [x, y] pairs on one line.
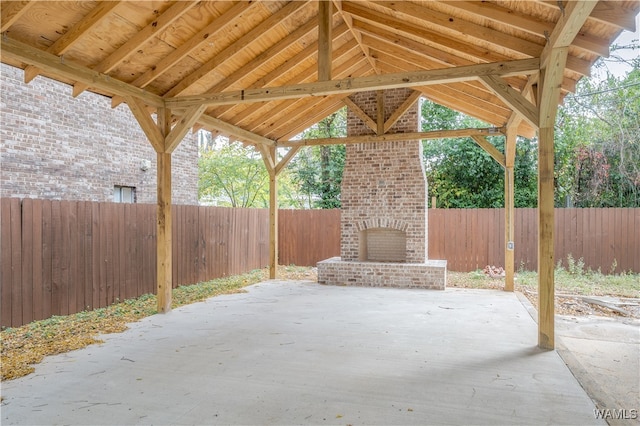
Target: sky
[[626, 37]]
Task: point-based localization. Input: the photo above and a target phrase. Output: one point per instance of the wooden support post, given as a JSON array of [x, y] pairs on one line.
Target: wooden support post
[[325, 24], [509, 190], [164, 252], [273, 215], [550, 80]]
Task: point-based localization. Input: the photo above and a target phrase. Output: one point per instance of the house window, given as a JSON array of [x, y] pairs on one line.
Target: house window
[[124, 194]]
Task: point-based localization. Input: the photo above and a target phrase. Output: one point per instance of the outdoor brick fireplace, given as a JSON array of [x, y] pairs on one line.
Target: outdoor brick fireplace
[[384, 210]]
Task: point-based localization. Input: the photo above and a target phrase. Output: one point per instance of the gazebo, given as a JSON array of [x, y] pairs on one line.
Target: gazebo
[[260, 72]]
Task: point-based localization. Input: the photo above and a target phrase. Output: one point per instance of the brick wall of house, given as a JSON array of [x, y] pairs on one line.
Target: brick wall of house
[[384, 183], [54, 146]]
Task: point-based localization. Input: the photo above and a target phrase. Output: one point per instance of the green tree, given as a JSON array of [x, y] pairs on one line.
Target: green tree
[[598, 142], [317, 170], [233, 176], [463, 175]]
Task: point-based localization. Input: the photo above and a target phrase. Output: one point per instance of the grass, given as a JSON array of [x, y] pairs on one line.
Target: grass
[[22, 347]]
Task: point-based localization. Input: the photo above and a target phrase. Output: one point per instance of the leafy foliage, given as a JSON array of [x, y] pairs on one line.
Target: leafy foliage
[[317, 170], [233, 176], [463, 175], [598, 143]]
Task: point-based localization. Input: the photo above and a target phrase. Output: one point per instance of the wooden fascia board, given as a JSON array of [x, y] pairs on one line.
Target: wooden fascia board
[[489, 149], [239, 132], [148, 126], [513, 98], [436, 134], [67, 70], [359, 84]]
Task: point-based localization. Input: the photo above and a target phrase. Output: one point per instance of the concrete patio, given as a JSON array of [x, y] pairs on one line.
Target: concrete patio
[[291, 352]]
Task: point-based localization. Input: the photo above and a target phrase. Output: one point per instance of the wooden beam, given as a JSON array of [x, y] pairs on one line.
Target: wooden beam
[[67, 70], [360, 113], [230, 129], [140, 38], [148, 126], [286, 159], [489, 149], [67, 40], [164, 231], [325, 24], [11, 11], [435, 134], [359, 84], [512, 97], [178, 132], [401, 110]]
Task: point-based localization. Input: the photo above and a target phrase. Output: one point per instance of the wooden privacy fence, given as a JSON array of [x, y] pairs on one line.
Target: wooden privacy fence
[[471, 239], [62, 257]]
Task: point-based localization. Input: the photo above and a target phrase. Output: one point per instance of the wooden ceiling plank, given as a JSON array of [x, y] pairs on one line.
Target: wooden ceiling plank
[[325, 45], [147, 124], [11, 11], [384, 35], [297, 110], [265, 56], [513, 98], [516, 45], [304, 75], [234, 48], [66, 41], [301, 113], [430, 37], [356, 84], [611, 13], [347, 19], [527, 23], [67, 70], [360, 113], [571, 20], [435, 134], [232, 130], [607, 12], [399, 112], [216, 27], [135, 42]]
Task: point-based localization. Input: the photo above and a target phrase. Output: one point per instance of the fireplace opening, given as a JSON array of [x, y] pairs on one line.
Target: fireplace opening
[[382, 245]]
